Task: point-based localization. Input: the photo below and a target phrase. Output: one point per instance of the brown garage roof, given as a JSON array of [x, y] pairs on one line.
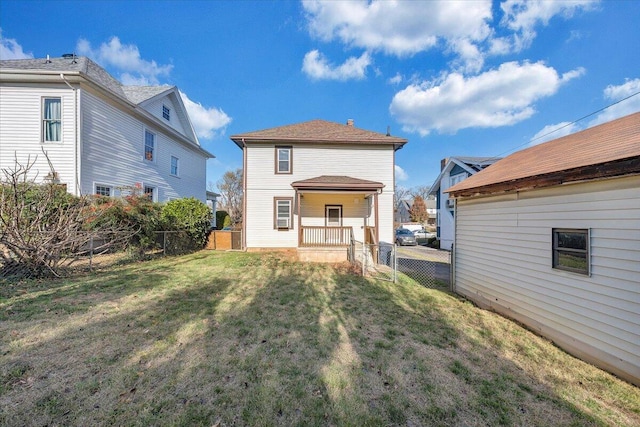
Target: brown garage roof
[[318, 131], [609, 149], [342, 183]]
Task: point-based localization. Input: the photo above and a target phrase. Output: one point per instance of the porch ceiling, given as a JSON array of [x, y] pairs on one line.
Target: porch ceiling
[[337, 183]]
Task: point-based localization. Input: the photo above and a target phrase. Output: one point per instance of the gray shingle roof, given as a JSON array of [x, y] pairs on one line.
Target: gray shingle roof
[[94, 72]]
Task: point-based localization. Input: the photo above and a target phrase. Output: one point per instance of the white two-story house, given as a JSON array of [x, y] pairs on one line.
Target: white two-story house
[[452, 171], [100, 137], [314, 186]]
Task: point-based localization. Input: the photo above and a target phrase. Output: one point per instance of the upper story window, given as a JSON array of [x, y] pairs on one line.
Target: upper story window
[[149, 146], [166, 112], [51, 119], [454, 179], [284, 159], [571, 249], [174, 165]]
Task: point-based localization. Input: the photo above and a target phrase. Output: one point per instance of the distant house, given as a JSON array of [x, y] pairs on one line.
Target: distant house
[[550, 236], [313, 186], [100, 136], [452, 171], [402, 212]]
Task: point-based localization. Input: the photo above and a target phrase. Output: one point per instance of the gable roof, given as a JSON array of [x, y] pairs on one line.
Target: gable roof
[[51, 69], [331, 182], [471, 164], [318, 131], [607, 150]]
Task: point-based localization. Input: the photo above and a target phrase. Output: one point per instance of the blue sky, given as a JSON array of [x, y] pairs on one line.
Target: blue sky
[[470, 78]]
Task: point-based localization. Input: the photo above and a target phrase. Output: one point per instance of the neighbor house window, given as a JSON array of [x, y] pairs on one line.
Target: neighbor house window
[[283, 159], [457, 178], [103, 190], [51, 119], [166, 112], [149, 146], [571, 250], [149, 192], [283, 213], [174, 166]]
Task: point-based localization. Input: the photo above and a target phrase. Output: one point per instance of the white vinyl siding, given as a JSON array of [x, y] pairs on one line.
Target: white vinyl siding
[[108, 130], [21, 131], [176, 119], [504, 259], [374, 163]]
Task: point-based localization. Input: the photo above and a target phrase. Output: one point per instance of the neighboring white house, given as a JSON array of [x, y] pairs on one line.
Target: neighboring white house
[[550, 236], [452, 171], [315, 185], [100, 136]]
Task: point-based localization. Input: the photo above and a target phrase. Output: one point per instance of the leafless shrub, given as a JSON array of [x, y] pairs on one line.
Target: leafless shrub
[[42, 227]]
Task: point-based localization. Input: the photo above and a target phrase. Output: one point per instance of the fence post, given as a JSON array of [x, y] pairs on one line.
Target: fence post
[[164, 243], [91, 253]]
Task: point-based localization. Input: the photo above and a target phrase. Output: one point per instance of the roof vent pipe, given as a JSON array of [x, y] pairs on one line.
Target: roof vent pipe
[[388, 130], [349, 122], [48, 60]]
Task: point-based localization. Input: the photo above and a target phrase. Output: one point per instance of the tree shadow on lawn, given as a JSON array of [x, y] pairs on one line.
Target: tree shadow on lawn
[[250, 339]]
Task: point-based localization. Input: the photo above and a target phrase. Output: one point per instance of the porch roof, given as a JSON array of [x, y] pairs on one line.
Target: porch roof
[[337, 183]]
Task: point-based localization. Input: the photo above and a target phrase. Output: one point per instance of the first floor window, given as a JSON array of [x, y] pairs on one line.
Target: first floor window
[[51, 119], [283, 215], [149, 192], [571, 249], [149, 145], [103, 190], [174, 166]]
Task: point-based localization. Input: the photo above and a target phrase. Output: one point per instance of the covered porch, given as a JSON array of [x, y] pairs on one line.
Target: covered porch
[[332, 211]]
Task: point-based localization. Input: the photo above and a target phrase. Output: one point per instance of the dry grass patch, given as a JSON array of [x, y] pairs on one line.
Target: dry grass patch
[[257, 339]]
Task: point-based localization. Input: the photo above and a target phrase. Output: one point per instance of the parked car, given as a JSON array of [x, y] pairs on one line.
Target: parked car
[[424, 234], [405, 237]]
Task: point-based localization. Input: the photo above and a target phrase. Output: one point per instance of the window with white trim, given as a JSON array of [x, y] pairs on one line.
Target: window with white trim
[[571, 249], [283, 213], [174, 165], [150, 192], [166, 112], [103, 190], [283, 160], [454, 179], [149, 146], [51, 119]]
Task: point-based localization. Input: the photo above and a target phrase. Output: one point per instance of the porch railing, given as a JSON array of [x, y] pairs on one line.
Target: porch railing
[[316, 236]]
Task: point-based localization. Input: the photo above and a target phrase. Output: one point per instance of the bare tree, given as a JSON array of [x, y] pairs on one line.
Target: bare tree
[[42, 226], [230, 188], [399, 194], [422, 191]]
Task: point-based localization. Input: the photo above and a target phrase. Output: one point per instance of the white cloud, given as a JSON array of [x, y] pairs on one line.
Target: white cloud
[[316, 66], [395, 80], [616, 93], [522, 17], [127, 59], [498, 97], [11, 49], [555, 131], [400, 173], [206, 121], [402, 28]]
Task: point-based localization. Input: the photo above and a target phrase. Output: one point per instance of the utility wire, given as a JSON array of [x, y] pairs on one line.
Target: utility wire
[[565, 125]]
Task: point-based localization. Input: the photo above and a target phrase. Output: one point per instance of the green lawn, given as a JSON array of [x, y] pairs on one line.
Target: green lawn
[[225, 339]]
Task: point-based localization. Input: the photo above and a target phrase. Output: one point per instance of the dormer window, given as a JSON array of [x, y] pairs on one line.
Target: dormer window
[[166, 112]]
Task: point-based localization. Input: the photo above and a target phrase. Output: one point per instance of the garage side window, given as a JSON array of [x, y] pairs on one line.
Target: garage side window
[[571, 250]]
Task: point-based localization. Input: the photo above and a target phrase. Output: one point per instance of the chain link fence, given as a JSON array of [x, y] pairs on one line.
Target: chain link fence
[[427, 266]]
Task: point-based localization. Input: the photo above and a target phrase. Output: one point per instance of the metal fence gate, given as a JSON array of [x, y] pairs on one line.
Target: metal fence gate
[[427, 266]]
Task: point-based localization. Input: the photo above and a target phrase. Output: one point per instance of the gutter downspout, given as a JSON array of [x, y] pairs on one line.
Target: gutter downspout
[[452, 264], [244, 195], [76, 139]]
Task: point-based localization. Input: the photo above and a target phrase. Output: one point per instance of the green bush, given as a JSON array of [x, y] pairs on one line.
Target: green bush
[[222, 219], [190, 215]]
